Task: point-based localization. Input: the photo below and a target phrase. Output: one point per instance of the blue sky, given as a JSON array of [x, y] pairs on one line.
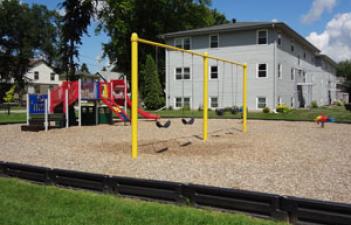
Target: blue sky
[[326, 23]]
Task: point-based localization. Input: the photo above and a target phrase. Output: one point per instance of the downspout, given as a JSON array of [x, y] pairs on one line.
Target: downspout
[[274, 70]]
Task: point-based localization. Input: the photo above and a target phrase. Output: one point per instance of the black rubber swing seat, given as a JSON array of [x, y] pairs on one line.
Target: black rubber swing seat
[[188, 122], [165, 125]]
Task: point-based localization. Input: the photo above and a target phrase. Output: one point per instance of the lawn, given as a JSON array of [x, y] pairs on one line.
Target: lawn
[[338, 112], [26, 203], [13, 118]]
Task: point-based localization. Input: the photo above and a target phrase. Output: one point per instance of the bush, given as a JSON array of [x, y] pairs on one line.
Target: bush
[[282, 108], [220, 112], [266, 110], [235, 110], [339, 103], [314, 104], [185, 108]]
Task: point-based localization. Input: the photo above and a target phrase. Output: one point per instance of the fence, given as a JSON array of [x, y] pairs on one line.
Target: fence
[[286, 208]]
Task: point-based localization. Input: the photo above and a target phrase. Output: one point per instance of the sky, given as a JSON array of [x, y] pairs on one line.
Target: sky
[[325, 23]]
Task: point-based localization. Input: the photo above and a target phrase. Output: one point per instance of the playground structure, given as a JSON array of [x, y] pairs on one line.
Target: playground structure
[[56, 109], [135, 40]]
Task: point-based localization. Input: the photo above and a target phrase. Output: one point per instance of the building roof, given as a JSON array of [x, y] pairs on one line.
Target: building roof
[[241, 26]]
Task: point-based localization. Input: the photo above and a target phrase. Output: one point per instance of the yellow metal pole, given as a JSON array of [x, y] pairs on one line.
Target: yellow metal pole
[[134, 42], [245, 99], [205, 97]]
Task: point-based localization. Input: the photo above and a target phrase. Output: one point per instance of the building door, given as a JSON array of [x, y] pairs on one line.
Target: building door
[[329, 97], [300, 98]]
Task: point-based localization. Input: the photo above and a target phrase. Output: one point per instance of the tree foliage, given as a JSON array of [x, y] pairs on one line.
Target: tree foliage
[[25, 32], [75, 22], [344, 70], [10, 94], [153, 96], [84, 68], [150, 19]]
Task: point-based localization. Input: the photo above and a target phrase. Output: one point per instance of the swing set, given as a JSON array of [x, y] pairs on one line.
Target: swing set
[[135, 40]]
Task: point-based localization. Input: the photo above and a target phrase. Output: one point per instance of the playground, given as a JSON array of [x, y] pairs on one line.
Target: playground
[[289, 158]]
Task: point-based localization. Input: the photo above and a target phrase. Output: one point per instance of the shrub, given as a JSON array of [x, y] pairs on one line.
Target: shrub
[[314, 104], [282, 108], [10, 94], [235, 110], [220, 112], [266, 110], [339, 103]]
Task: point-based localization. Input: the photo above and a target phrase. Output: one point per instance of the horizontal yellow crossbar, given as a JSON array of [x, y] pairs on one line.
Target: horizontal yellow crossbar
[[170, 47]]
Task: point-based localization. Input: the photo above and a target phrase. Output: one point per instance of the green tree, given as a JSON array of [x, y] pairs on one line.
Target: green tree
[[84, 68], [10, 94], [344, 70], [75, 22], [153, 96], [26, 32], [150, 19]]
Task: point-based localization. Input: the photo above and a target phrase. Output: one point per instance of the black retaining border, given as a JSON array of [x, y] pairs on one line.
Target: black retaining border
[[286, 208]]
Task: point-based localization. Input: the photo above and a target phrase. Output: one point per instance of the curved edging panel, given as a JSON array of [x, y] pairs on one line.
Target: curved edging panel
[[291, 209]]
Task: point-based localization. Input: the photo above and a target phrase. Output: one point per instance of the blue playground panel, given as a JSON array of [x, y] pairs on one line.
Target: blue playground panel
[[37, 103]]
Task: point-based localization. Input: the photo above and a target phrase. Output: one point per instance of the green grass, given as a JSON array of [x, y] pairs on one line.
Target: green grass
[[338, 112], [13, 118], [29, 204]]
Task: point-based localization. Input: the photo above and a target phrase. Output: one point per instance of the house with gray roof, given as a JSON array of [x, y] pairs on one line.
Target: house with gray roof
[[283, 67]]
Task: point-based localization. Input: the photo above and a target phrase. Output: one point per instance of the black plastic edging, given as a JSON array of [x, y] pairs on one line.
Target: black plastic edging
[[292, 209], [307, 211]]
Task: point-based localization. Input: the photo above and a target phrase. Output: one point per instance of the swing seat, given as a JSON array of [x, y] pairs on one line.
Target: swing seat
[[188, 122], [165, 125]]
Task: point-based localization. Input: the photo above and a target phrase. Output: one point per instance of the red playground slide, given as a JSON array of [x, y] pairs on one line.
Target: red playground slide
[[57, 94], [141, 112]]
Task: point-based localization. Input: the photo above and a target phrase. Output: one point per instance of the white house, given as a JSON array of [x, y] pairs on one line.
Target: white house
[[41, 77]]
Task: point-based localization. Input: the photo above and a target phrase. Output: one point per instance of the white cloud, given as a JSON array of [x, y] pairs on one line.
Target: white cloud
[[317, 9], [275, 20], [335, 40]]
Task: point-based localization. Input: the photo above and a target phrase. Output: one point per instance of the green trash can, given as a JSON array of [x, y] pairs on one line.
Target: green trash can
[[105, 115], [88, 115]]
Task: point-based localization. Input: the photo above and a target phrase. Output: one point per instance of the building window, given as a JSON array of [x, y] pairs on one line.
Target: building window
[[292, 102], [279, 40], [262, 37], [214, 41], [178, 43], [36, 75], [52, 76], [182, 73], [292, 73], [304, 55], [262, 70], [182, 102], [214, 102], [184, 43], [178, 102], [214, 72], [186, 102], [261, 102], [186, 73], [292, 47], [178, 73], [280, 71]]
